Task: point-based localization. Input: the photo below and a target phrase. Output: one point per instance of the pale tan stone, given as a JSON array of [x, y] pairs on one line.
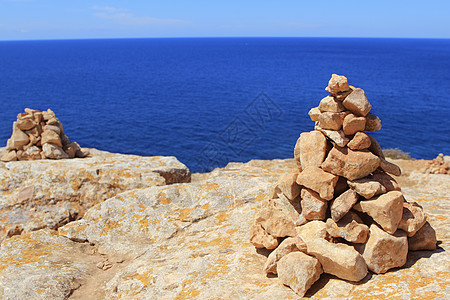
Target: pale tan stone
[[19, 138], [330, 104], [312, 149], [360, 141], [312, 230], [274, 221], [25, 124], [47, 115], [337, 84], [342, 204], [340, 260], [9, 156], [261, 239], [357, 103], [287, 246], [385, 251], [331, 121], [342, 95], [373, 123], [350, 227], [386, 210], [299, 271], [424, 239], [314, 114], [313, 206], [353, 124], [386, 180], [367, 187], [53, 152], [349, 163], [291, 208], [413, 218], [71, 149], [49, 136], [338, 137], [32, 153], [52, 128], [319, 181], [390, 168]]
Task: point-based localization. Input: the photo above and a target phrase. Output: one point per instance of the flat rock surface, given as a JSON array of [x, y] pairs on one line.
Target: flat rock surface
[[49, 193], [190, 240]]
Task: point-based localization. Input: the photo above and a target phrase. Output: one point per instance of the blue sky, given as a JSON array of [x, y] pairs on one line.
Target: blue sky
[[65, 19]]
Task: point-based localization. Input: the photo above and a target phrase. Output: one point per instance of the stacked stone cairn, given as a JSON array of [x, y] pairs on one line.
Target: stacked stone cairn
[[39, 135], [439, 165], [341, 213]]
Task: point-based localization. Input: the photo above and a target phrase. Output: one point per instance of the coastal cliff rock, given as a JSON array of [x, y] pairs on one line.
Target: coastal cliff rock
[[190, 241], [50, 193]]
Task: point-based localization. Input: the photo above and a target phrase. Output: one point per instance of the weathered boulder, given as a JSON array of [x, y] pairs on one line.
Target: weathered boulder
[[330, 104], [32, 153], [319, 181], [386, 210], [312, 230], [385, 251], [373, 123], [424, 239], [260, 238], [287, 185], [299, 271], [357, 103], [353, 124], [338, 259], [331, 121], [360, 141], [53, 151], [349, 163], [287, 246], [313, 206], [351, 228], [19, 138], [342, 204], [9, 156], [312, 149], [337, 84], [314, 114], [367, 187], [274, 221], [338, 137], [413, 218]]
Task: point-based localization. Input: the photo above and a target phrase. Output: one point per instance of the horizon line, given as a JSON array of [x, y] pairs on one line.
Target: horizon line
[[223, 37]]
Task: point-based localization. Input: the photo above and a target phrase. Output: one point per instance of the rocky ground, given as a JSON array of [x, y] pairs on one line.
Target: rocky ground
[[143, 239]]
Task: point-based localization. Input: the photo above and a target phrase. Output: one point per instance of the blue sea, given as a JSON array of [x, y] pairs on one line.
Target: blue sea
[[209, 101]]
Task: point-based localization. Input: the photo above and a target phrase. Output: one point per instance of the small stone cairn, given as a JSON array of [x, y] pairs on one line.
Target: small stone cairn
[[341, 213], [439, 165], [39, 135]]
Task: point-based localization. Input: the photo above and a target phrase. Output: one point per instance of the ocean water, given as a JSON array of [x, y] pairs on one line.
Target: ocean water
[[209, 101]]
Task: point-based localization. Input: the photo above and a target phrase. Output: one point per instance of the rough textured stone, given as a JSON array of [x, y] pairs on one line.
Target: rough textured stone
[[330, 104], [337, 84], [342, 204], [331, 121], [353, 124], [287, 246], [49, 136], [375, 148], [424, 239], [261, 239], [19, 138], [350, 227], [349, 163], [413, 218], [32, 153], [291, 208], [288, 186], [64, 189], [274, 221], [53, 151], [385, 251], [314, 114], [9, 156], [338, 259], [386, 210], [25, 124], [390, 168], [312, 149], [312, 230], [373, 123], [357, 103], [52, 128], [338, 137], [313, 207], [319, 181], [367, 187], [299, 271], [360, 141]]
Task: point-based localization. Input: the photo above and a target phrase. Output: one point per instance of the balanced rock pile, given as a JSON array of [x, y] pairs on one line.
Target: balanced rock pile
[[39, 135], [342, 213], [439, 165]]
